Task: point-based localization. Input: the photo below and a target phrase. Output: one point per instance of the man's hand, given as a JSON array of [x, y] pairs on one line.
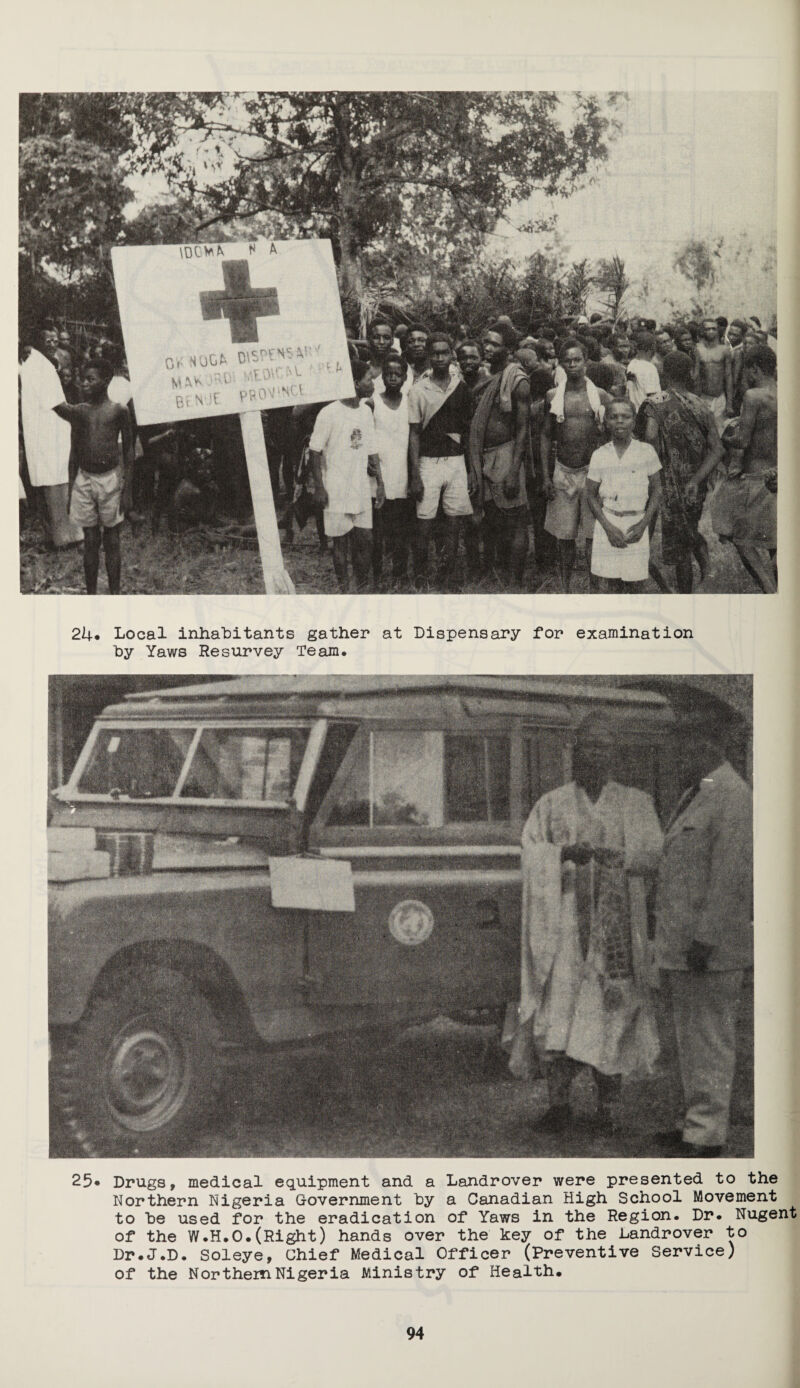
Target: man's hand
[[577, 853], [770, 479], [416, 489], [321, 497], [635, 532], [615, 536], [511, 486], [697, 956]]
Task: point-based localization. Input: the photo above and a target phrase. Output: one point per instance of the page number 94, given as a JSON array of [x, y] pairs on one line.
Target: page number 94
[[415, 1332]]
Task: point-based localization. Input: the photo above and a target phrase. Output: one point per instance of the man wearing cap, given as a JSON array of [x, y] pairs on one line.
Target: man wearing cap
[[585, 983], [704, 933]]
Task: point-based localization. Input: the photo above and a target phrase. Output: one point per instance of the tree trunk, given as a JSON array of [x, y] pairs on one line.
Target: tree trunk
[[351, 270]]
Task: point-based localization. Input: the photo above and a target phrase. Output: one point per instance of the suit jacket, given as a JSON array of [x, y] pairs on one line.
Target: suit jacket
[[705, 880]]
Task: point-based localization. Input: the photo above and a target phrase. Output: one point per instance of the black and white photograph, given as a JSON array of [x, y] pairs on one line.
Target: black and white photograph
[[398, 341], [374, 917]]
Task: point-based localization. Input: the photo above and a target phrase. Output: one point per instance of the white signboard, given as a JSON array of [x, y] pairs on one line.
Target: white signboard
[[226, 327]]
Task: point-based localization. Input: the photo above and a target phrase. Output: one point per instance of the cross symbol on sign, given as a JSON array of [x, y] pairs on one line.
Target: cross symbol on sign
[[239, 302]]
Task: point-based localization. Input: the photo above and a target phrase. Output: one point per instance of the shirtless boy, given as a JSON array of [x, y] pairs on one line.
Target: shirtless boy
[[714, 373], [572, 430], [101, 492], [752, 524]]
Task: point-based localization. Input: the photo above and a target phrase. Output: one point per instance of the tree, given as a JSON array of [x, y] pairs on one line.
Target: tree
[[612, 279], [72, 192], [434, 171], [698, 261], [578, 282]]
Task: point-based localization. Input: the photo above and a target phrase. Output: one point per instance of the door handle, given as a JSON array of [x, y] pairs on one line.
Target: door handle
[[488, 913]]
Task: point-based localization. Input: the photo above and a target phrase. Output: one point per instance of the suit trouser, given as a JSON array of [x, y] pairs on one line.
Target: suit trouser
[[704, 1009]]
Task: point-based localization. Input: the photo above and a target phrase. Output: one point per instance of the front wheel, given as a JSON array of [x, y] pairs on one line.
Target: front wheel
[[143, 1067]]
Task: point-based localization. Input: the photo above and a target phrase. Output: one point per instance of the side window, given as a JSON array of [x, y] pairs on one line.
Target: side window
[[544, 768], [136, 763], [397, 778], [426, 779], [252, 764], [477, 778]]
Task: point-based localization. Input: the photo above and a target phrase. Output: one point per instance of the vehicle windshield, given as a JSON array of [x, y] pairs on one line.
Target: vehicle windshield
[[247, 764]]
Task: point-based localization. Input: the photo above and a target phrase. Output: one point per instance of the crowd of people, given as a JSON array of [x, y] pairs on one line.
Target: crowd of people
[[501, 460]]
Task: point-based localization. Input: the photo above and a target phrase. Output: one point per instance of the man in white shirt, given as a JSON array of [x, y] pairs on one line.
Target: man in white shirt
[[47, 438], [343, 454], [642, 372]]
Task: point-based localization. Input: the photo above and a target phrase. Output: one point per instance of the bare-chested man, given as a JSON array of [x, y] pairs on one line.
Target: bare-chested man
[[101, 492], [572, 430], [714, 373], [749, 515]]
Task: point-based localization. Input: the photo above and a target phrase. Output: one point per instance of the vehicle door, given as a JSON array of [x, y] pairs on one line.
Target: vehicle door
[[424, 815]]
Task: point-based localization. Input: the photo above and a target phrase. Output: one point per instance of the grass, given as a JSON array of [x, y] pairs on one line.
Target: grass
[[190, 563], [439, 1090]]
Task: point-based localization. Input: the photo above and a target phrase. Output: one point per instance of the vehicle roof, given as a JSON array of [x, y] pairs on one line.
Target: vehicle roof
[[378, 696]]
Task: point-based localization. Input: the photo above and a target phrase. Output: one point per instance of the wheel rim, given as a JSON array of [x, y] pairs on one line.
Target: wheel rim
[[147, 1075]]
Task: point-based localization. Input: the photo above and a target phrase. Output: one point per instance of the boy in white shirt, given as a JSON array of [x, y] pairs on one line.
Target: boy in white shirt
[[393, 522], [343, 454]]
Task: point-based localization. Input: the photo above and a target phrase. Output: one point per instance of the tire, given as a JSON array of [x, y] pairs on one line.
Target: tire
[[143, 1067]]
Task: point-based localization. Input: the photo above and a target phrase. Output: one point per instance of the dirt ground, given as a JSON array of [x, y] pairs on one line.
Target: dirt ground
[[439, 1090], [191, 562]]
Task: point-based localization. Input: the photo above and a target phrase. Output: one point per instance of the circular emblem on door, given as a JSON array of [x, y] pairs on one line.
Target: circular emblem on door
[[411, 922]]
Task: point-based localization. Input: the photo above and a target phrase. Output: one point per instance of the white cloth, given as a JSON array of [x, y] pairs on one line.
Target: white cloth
[[391, 434], [643, 380], [624, 485], [47, 438], [120, 390], [557, 403], [563, 994], [345, 436], [717, 404]]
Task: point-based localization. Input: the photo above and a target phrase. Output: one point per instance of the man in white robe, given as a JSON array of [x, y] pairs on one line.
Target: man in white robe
[[47, 442], [586, 969]]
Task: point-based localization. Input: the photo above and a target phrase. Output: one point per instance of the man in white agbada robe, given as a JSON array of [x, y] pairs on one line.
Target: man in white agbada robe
[[586, 969]]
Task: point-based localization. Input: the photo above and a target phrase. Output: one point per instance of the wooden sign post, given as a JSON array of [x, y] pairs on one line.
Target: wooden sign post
[[276, 579], [234, 328]]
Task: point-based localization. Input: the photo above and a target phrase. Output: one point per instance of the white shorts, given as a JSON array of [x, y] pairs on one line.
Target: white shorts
[[445, 477], [97, 499], [342, 522]]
